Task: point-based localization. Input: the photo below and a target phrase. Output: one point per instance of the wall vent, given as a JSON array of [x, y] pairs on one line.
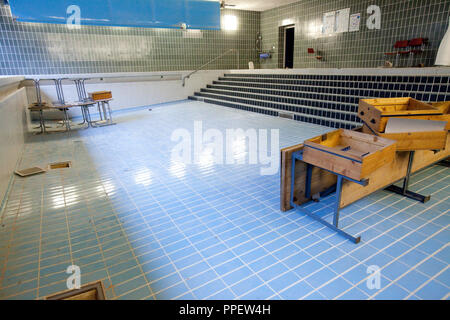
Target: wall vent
[[286, 115]]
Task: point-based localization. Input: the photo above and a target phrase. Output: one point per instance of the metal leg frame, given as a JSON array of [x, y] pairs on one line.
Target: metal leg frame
[[62, 101], [82, 97], [84, 117], [59, 91], [42, 125], [81, 90], [338, 189], [404, 190], [88, 116], [445, 163], [104, 110], [100, 111]]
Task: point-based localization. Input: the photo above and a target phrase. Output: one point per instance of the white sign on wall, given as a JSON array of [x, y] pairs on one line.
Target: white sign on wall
[[355, 22], [329, 22], [342, 20]]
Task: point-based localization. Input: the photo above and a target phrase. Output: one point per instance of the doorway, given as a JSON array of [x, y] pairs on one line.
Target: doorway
[[289, 36]]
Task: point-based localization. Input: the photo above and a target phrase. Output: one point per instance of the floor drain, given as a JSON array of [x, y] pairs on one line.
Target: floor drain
[[93, 291], [60, 165]]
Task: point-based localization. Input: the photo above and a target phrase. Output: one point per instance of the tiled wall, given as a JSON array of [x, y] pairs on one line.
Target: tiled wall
[[12, 130], [401, 20], [53, 49], [27, 48]]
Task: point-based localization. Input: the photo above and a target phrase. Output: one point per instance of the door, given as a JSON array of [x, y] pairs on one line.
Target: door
[[289, 35]]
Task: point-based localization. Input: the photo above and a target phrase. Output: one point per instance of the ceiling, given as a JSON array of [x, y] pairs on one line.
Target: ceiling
[[258, 5]]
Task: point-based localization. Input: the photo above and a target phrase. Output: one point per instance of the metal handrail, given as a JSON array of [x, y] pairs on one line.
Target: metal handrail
[[211, 61]]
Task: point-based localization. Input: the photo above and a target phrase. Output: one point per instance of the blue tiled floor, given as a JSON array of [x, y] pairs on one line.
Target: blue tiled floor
[[154, 229]]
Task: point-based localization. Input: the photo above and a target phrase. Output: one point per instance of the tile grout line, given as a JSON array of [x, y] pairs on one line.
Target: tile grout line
[[40, 240], [409, 250], [130, 246]]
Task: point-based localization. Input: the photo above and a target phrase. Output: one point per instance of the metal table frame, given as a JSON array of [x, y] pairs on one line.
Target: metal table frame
[[403, 191], [105, 113], [61, 104], [85, 103], [445, 163], [338, 189], [40, 106]]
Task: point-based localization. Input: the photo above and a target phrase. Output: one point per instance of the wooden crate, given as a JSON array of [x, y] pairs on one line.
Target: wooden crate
[[444, 107], [376, 112], [413, 141], [351, 192], [100, 95], [352, 154]]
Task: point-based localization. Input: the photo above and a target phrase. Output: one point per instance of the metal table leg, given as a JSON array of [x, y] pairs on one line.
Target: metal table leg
[[88, 116], [404, 190], [83, 115], [105, 114], [99, 111], [335, 226], [445, 163], [41, 123], [110, 113], [66, 119]]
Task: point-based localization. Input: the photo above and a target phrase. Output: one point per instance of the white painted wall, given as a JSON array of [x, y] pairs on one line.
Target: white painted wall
[[13, 125], [129, 89]]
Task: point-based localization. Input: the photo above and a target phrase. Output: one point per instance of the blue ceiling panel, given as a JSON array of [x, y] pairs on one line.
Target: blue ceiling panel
[[196, 14]]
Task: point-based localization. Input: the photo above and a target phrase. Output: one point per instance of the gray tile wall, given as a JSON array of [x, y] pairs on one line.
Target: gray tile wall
[[401, 20], [28, 48]]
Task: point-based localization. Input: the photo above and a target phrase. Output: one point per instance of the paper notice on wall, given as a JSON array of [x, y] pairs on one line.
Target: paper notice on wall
[[342, 20], [355, 22], [329, 22]]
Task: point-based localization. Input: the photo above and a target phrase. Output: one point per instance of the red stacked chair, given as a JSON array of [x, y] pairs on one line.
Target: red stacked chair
[[401, 49]]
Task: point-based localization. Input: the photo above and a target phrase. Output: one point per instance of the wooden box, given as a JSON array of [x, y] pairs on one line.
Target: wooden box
[[444, 107], [413, 141], [322, 180], [352, 154], [100, 95], [376, 112]]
